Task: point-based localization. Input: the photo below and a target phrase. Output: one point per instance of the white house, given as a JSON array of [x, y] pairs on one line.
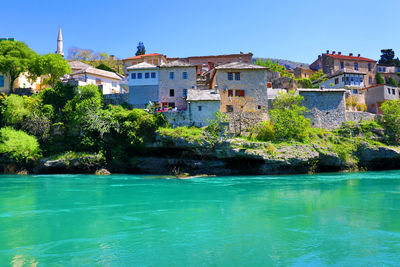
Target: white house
[[202, 106], [21, 82], [345, 78], [107, 80]]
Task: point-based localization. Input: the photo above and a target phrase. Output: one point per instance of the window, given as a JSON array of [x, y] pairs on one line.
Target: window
[[229, 108], [171, 104], [369, 67], [354, 91], [239, 93], [230, 92], [199, 108], [230, 76], [355, 66], [342, 65], [98, 82], [133, 75], [370, 80], [379, 69], [184, 92], [336, 80], [237, 76], [153, 75], [171, 75], [1, 81], [184, 75], [171, 92], [386, 79], [393, 92], [139, 75], [384, 69], [147, 75], [259, 107], [388, 91], [114, 84]]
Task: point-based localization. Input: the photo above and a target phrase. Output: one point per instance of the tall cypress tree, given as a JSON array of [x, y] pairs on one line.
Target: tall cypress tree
[[141, 50]]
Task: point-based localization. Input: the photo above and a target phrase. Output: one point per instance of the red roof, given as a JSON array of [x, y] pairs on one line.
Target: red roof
[[145, 55], [349, 57]]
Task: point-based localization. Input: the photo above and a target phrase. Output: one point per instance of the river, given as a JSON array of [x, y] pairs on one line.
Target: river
[[341, 219]]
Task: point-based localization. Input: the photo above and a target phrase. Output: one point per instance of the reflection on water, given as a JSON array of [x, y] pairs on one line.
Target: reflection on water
[[330, 219]]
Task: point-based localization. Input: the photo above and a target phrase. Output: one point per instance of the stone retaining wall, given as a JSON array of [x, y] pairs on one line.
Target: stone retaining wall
[[357, 116]]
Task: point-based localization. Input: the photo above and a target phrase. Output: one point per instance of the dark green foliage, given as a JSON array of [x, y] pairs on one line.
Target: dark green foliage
[[304, 83], [391, 81], [141, 50], [387, 58], [379, 79], [103, 66], [217, 126]]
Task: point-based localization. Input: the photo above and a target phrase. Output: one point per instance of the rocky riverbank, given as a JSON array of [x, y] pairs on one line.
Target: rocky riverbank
[[174, 156]]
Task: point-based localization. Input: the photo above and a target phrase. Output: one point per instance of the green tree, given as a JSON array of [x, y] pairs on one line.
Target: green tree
[[387, 58], [392, 81], [273, 66], [318, 76], [391, 119], [17, 145], [379, 79], [103, 66], [13, 110], [288, 119], [53, 65], [141, 50], [15, 58], [304, 83]]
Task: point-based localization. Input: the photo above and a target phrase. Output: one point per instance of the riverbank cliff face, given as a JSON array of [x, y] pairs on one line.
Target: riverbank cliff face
[[173, 156]]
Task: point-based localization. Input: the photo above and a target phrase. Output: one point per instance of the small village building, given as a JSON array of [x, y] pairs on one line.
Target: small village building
[[153, 58], [176, 78], [345, 78], [388, 72], [242, 87], [330, 63], [21, 82], [143, 84], [376, 95], [202, 106], [107, 81], [78, 65], [303, 73], [327, 107]]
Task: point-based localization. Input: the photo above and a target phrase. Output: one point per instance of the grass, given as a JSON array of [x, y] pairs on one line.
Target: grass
[[190, 134]]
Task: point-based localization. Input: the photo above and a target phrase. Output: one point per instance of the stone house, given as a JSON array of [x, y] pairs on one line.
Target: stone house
[[206, 63], [376, 95], [389, 71], [107, 81], [303, 73], [21, 82], [153, 58], [166, 85], [345, 78], [327, 107], [330, 63], [143, 84], [176, 78], [202, 106], [242, 87]]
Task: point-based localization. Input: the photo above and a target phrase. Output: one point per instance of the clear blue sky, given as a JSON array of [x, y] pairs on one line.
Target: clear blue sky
[[292, 29]]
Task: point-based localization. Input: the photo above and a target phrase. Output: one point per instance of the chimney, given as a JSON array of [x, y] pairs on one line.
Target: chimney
[[333, 52], [327, 51], [351, 54], [112, 57], [339, 53], [359, 55]]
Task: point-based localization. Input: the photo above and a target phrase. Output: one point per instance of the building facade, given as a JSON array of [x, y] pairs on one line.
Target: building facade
[[154, 59], [330, 63], [376, 95], [176, 78], [303, 73], [345, 78], [389, 72], [107, 81], [242, 87], [143, 84]]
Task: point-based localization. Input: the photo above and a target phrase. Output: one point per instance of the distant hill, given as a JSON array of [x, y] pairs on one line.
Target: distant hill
[[287, 63]]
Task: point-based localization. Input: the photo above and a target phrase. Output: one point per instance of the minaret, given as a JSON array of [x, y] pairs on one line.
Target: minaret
[[60, 44]]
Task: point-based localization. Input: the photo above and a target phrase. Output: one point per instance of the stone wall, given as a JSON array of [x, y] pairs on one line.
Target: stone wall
[[357, 116], [115, 99], [140, 96], [327, 108]]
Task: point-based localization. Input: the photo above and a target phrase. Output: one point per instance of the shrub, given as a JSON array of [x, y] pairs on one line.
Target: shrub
[[391, 119], [216, 126], [190, 134], [13, 110], [264, 131], [18, 145]]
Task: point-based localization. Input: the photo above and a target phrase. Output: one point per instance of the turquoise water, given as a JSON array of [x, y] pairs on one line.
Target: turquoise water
[[128, 220]]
